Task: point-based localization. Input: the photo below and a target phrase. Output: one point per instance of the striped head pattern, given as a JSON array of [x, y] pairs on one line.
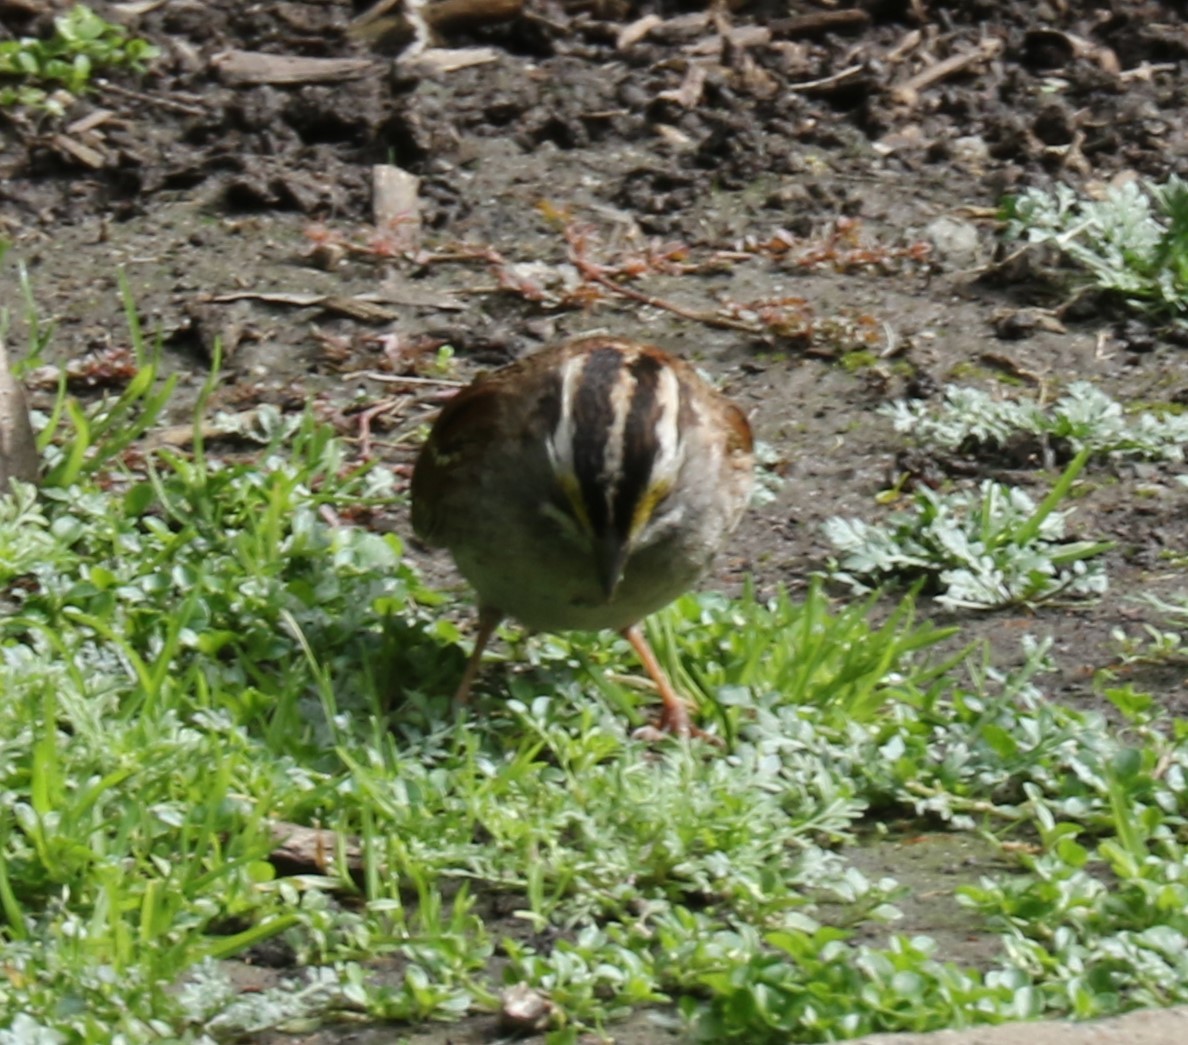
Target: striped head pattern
[[617, 447]]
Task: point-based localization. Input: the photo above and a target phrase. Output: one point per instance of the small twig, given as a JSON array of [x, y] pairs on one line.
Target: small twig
[[396, 379], [594, 273], [819, 23], [710, 319], [1146, 71], [151, 99], [412, 429], [827, 82], [364, 418], [374, 14], [967, 805]]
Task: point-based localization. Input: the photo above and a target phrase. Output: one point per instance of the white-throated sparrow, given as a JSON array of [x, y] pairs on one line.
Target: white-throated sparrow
[[584, 487]]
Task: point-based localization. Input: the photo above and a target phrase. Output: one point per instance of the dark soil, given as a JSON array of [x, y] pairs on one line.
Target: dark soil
[[758, 187]]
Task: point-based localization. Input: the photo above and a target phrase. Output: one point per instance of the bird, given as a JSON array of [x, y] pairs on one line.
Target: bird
[[583, 487]]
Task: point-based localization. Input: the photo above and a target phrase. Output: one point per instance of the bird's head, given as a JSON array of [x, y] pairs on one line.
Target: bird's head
[[617, 450]]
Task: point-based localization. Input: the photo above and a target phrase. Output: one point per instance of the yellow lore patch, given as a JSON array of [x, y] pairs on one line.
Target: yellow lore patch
[[573, 493], [644, 507]]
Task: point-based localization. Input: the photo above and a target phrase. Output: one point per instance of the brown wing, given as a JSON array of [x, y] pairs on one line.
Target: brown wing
[[739, 440], [495, 409], [453, 451]]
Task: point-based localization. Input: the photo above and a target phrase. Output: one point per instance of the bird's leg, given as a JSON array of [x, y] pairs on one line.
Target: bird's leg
[[488, 621], [674, 715]]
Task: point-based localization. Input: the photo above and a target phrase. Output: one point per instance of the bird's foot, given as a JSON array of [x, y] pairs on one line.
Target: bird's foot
[[674, 721], [674, 718]]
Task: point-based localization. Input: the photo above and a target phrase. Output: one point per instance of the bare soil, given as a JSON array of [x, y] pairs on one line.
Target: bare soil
[[800, 197]]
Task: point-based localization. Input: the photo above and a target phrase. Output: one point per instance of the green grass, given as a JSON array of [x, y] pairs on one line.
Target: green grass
[[194, 647]]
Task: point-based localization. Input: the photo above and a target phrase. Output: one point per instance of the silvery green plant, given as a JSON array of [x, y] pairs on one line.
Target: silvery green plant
[[1085, 417], [1133, 241], [1164, 642], [980, 549]]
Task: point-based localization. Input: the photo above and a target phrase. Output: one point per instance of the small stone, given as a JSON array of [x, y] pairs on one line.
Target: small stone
[[956, 241], [525, 1010]]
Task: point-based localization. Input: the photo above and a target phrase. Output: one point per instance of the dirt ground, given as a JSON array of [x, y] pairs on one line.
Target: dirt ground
[[799, 196]]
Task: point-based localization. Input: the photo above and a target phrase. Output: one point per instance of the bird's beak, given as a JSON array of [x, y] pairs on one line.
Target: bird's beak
[[610, 556]]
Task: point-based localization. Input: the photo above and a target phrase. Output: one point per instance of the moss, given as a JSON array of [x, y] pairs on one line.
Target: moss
[[1160, 408], [968, 370], [859, 359]]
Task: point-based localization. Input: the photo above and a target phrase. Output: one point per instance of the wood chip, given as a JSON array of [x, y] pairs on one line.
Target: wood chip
[[395, 203], [448, 16], [89, 122], [632, 33], [436, 60], [908, 91], [674, 136], [136, 8], [19, 458], [314, 848], [395, 290], [85, 155], [1146, 71], [689, 93], [359, 308], [906, 46], [248, 68], [742, 36]]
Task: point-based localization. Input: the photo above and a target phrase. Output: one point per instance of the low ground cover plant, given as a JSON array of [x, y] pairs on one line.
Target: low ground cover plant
[[46, 73], [975, 549], [1084, 417], [1132, 241], [197, 649]]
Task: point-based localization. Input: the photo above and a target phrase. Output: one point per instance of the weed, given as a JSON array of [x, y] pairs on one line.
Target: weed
[[978, 550], [1133, 242], [1164, 643], [1083, 418], [33, 72], [191, 647]]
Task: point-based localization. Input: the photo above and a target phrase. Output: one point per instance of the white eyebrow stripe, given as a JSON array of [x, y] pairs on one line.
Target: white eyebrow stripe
[[670, 451], [561, 441]]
